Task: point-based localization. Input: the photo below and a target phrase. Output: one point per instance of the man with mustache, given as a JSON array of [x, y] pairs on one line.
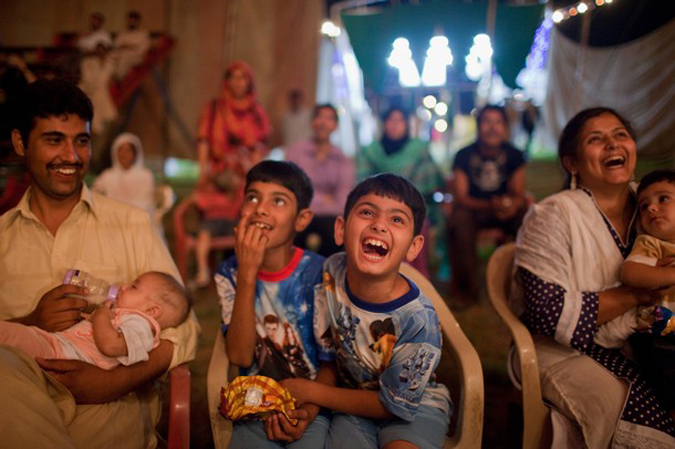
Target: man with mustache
[[60, 224], [489, 189]]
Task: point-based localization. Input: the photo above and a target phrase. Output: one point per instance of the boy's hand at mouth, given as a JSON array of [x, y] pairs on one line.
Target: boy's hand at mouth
[[250, 244]]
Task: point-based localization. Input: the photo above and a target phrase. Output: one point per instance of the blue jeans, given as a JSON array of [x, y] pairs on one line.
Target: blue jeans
[[251, 435], [427, 431]]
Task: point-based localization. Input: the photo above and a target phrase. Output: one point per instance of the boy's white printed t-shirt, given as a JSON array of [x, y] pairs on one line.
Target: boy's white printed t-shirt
[[284, 311], [392, 347]]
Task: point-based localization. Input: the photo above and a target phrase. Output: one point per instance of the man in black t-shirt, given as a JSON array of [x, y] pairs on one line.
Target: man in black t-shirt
[[489, 190]]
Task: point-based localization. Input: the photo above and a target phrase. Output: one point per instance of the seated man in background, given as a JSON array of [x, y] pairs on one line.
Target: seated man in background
[[60, 224], [489, 189], [332, 175]]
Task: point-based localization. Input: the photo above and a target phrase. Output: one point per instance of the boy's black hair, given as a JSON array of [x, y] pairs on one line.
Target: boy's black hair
[[45, 98], [392, 186], [656, 176], [285, 174]]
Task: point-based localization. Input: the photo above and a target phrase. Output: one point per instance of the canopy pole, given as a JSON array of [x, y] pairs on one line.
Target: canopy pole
[[581, 58], [490, 22]]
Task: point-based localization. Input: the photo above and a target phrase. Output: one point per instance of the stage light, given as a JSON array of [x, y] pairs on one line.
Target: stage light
[[478, 59], [424, 114], [401, 58], [440, 125], [441, 108], [582, 8], [329, 29], [429, 101], [557, 16], [439, 56]]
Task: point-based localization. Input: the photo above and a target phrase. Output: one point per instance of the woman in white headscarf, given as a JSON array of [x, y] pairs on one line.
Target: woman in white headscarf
[[128, 180]]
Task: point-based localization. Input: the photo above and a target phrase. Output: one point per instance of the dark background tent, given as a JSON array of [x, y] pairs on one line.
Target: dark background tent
[[372, 34]]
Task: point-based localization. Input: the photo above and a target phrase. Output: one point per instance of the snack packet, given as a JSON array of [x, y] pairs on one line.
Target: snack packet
[[255, 396]]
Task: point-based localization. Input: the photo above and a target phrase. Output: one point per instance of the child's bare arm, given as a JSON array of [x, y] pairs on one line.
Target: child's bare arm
[[639, 275], [326, 375], [107, 339], [365, 403], [250, 246]]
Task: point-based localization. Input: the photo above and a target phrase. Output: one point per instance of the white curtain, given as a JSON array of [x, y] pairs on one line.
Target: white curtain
[[637, 79], [340, 82]]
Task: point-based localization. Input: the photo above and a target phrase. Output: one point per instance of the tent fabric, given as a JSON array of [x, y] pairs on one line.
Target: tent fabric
[[619, 22], [372, 35], [636, 79]]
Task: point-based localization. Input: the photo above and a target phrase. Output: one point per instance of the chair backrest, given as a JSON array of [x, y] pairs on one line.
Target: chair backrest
[[184, 242], [179, 407], [469, 429], [217, 377], [536, 423], [165, 198]]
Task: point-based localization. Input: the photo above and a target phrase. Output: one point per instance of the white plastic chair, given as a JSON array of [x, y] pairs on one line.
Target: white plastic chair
[[469, 428], [536, 415]]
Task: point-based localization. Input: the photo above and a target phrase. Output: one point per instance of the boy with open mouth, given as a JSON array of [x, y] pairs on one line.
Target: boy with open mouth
[[381, 330]]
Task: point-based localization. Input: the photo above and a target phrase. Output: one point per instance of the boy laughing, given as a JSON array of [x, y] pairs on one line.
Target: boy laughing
[[382, 331]]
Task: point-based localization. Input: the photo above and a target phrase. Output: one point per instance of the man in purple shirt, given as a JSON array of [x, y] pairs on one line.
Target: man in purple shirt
[[332, 175]]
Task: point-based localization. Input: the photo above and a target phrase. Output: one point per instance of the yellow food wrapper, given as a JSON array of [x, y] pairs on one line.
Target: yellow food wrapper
[[259, 396]]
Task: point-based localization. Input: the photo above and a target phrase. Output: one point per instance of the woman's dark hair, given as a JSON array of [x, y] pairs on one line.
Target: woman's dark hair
[[571, 134], [390, 145], [390, 111]]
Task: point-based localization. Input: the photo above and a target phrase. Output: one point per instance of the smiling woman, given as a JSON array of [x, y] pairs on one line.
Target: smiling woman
[[568, 254]]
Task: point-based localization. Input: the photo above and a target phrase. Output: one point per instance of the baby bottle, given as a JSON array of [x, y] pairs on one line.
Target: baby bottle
[[99, 290]]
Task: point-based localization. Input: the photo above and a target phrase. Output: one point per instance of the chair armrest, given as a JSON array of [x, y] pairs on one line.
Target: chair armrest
[[165, 198], [179, 407], [469, 430], [535, 413], [216, 378]]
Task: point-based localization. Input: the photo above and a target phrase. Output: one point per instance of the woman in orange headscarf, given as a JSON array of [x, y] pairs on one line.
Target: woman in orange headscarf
[[231, 139]]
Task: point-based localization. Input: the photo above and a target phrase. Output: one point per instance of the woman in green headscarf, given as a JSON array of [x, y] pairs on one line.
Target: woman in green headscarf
[[400, 154], [396, 152]]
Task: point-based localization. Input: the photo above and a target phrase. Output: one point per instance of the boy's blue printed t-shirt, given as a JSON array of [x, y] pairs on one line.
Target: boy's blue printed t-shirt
[[392, 347], [284, 307]]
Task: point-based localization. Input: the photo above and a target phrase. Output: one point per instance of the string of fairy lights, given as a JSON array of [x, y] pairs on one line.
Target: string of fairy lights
[[578, 8]]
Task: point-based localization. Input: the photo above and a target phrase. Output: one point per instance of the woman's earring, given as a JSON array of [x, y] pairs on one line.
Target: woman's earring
[[573, 181]]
